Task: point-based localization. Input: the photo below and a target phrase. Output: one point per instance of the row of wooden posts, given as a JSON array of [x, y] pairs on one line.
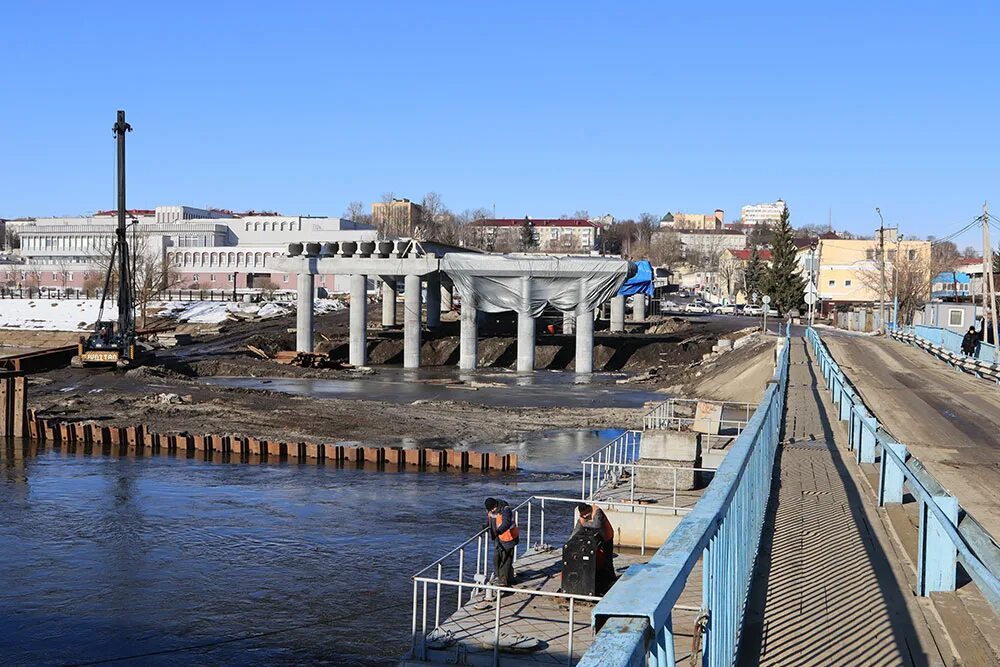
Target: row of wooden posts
[[139, 438], [13, 405]]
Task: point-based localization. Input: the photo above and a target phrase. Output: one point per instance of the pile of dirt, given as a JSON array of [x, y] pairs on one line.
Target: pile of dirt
[[668, 326]]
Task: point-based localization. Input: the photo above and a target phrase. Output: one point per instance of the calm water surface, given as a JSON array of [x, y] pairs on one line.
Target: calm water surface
[[153, 557]]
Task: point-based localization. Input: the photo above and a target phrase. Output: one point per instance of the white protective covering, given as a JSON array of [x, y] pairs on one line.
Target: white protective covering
[[496, 283]]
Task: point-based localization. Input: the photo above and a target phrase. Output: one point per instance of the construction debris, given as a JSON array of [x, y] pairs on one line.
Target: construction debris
[[306, 360]]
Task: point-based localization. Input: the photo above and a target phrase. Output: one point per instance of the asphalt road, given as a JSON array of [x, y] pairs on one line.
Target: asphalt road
[[949, 420]]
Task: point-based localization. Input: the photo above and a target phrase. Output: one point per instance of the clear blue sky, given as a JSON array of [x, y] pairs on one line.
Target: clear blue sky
[[542, 109]]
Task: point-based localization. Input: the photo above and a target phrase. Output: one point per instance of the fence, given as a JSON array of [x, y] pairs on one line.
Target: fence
[[678, 413], [944, 540], [723, 531], [75, 294], [952, 341], [451, 582]]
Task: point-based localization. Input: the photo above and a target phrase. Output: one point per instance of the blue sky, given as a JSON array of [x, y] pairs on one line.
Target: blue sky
[[540, 108]]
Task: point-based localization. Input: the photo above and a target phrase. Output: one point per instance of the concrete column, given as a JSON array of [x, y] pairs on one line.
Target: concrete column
[[304, 314], [411, 322], [569, 318], [468, 336], [584, 335], [639, 308], [617, 313], [358, 348], [388, 301], [433, 299], [525, 330]]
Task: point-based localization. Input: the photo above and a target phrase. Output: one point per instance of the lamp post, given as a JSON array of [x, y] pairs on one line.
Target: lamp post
[[812, 283], [881, 263]]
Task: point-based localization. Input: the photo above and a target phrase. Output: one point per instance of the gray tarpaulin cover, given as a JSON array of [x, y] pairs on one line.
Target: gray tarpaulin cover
[[570, 284]]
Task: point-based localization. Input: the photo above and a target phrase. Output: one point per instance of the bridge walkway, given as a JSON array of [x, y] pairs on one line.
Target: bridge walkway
[[828, 590]]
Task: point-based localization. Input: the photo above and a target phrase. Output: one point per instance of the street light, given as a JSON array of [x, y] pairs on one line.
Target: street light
[[881, 263], [895, 284]]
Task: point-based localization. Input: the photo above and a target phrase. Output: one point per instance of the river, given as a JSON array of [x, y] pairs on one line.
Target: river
[[182, 562]]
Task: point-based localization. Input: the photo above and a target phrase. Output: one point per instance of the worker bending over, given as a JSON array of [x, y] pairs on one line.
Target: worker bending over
[[503, 529], [593, 518]]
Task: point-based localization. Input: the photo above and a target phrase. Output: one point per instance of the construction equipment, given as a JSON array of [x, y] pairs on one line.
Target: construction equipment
[[113, 341]]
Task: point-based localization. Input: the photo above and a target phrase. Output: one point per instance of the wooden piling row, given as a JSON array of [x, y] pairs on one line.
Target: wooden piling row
[[13, 405], [240, 448]]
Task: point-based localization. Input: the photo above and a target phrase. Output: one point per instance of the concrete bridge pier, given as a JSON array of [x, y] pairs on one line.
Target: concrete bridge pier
[[304, 313], [639, 308], [617, 313], [433, 299], [358, 346], [584, 335], [388, 301], [468, 336], [411, 321], [525, 330], [569, 319], [447, 296]]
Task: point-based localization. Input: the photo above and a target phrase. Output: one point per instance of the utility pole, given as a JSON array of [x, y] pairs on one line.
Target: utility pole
[[989, 292], [881, 262]]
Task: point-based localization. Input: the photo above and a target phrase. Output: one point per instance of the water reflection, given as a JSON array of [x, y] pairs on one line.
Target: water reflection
[[116, 556]]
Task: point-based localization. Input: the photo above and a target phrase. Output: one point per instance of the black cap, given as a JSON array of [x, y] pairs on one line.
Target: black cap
[[491, 503]]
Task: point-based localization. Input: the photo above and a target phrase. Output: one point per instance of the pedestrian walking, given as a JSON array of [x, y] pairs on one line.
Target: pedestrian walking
[[970, 341]]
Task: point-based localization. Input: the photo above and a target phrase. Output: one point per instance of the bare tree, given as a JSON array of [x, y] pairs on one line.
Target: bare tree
[[358, 212], [666, 249], [11, 239], [912, 281], [151, 271]]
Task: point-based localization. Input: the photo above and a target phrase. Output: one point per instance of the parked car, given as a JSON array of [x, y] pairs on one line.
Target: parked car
[[753, 310], [668, 306], [695, 307], [772, 312], [727, 309], [684, 294]]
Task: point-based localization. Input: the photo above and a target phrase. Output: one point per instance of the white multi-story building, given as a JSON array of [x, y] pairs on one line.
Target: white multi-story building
[[759, 214], [200, 248]]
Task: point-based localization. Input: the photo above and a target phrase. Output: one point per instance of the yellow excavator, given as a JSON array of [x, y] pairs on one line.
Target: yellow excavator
[[113, 341]]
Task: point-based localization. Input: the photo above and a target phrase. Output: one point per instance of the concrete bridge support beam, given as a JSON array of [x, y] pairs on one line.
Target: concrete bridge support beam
[[639, 308], [447, 297], [304, 314], [617, 313], [388, 301], [468, 336], [358, 347], [525, 330], [585, 342], [433, 300], [411, 322]]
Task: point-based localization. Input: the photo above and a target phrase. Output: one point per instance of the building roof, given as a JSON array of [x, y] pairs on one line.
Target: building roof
[[970, 261], [952, 277], [537, 222], [131, 211], [744, 255], [829, 236]]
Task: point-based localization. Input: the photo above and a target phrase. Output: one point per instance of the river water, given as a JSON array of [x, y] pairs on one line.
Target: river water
[[184, 562]]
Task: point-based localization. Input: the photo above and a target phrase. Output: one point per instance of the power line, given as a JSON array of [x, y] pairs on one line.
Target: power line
[[232, 640]]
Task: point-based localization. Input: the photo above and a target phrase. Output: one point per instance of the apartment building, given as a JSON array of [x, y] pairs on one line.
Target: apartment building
[[760, 214], [548, 235], [694, 221], [396, 218]]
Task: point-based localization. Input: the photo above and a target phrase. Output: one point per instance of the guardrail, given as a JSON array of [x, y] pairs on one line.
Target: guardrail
[[944, 540], [723, 531], [607, 465], [678, 413], [454, 572], [942, 344]]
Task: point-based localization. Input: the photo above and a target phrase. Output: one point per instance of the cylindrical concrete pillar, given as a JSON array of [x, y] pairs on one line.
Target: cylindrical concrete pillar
[[585, 342], [388, 301], [468, 336], [569, 318], [304, 314], [358, 346], [433, 300], [617, 313], [411, 322], [639, 308], [525, 330]]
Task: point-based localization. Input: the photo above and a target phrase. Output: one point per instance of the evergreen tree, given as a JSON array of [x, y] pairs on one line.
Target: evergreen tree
[[528, 235], [753, 273], [782, 280]]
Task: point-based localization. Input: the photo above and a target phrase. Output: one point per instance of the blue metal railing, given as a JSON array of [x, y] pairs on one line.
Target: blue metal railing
[[943, 541], [723, 532], [952, 341]]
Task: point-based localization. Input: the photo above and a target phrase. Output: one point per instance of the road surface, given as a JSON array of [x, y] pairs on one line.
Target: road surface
[[949, 420]]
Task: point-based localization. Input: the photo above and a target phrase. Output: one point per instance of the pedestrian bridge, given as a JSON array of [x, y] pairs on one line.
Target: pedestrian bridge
[[825, 537]]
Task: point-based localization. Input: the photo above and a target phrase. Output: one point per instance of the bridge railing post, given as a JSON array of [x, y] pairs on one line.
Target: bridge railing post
[[936, 553], [891, 477]]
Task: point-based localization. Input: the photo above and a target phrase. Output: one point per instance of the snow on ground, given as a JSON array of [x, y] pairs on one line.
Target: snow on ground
[[52, 314], [79, 315]]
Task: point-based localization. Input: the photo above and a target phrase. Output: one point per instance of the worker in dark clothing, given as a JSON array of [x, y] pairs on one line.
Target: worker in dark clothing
[[593, 518], [970, 341], [503, 529]]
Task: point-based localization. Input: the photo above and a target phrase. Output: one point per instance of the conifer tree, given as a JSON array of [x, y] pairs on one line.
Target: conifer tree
[[782, 280], [753, 274]]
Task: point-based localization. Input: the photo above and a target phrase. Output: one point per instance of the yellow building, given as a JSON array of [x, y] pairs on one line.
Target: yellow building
[[396, 218], [850, 272]]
